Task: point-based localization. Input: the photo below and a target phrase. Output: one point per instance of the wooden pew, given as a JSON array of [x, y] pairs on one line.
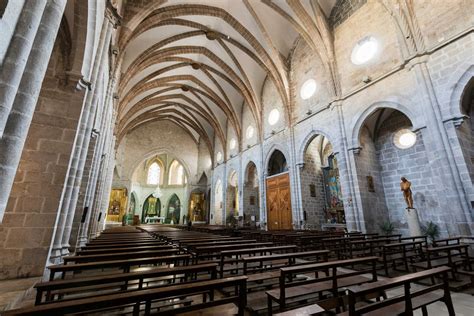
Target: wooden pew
[[295, 290], [146, 298], [227, 256], [367, 247], [125, 265], [120, 256], [102, 246], [47, 291], [401, 304], [404, 252], [210, 252], [453, 256], [99, 251]]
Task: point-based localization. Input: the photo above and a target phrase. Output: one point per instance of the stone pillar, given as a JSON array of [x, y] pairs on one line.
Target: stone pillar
[[17, 56], [453, 199], [96, 164], [85, 120], [348, 174], [21, 114], [413, 222]]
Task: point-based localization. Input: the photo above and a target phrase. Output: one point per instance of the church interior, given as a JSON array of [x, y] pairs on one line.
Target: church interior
[[237, 157]]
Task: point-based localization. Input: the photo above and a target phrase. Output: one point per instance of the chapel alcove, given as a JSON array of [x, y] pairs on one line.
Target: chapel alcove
[[320, 185], [216, 214], [151, 208], [251, 193], [173, 211], [196, 207], [232, 196], [466, 130], [390, 150], [278, 193]]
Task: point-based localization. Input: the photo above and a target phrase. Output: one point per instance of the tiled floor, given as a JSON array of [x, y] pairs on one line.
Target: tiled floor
[[12, 292]]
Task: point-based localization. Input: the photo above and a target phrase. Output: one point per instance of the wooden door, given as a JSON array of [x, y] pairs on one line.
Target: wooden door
[[279, 202]]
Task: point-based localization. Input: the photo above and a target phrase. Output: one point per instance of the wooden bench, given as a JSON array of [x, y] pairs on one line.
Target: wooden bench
[[125, 265], [401, 304], [86, 252], [47, 291], [120, 256], [404, 252], [146, 298], [102, 246], [227, 256], [210, 252], [452, 256], [331, 282], [367, 247]]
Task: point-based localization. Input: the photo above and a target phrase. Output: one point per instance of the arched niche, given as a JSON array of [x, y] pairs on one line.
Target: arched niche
[[196, 209], [232, 196], [251, 194], [389, 151], [216, 215], [278, 193], [466, 130], [151, 208], [277, 163], [173, 211], [321, 190]]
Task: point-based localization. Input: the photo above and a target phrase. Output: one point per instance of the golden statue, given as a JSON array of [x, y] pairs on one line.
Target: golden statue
[[405, 187]]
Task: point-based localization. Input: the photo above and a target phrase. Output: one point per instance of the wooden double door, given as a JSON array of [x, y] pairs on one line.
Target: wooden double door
[[279, 202]]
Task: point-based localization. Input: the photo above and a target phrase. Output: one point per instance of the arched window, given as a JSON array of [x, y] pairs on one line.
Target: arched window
[[177, 176], [154, 174]]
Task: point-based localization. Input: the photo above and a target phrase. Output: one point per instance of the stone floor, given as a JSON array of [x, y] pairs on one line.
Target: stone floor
[[15, 294]]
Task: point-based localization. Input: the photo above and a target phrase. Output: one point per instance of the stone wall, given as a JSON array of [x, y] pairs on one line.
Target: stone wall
[[29, 221]]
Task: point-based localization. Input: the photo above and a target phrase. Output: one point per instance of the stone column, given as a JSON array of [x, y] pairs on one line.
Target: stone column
[[85, 119], [453, 199], [95, 167], [16, 58], [82, 154], [348, 174], [21, 114]]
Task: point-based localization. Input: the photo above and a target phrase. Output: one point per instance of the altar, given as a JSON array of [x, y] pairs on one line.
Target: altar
[[154, 219]]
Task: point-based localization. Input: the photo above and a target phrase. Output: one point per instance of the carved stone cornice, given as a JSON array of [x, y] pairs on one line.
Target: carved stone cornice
[[355, 150]]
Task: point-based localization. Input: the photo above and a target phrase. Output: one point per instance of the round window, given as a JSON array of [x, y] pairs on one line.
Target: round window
[[232, 143], [273, 117], [219, 156], [364, 50], [250, 132], [308, 89], [404, 138]]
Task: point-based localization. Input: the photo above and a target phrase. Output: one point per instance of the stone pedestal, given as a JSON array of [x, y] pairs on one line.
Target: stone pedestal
[[413, 221]]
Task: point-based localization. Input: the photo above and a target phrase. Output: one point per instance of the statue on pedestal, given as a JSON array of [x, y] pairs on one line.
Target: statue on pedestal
[[405, 187]]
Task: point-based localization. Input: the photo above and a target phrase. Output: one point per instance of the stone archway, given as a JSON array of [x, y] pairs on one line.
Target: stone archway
[[232, 197], [390, 150], [278, 193], [321, 190], [251, 194]]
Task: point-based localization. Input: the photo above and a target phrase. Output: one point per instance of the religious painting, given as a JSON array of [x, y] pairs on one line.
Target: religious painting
[[332, 187], [117, 205], [196, 207], [174, 210], [370, 184], [312, 190], [151, 207]]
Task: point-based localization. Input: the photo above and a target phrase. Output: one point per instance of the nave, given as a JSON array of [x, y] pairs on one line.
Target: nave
[[216, 270]]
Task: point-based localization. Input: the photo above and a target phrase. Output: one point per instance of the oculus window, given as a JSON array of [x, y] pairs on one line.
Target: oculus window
[[404, 138], [308, 89], [273, 117], [364, 50]]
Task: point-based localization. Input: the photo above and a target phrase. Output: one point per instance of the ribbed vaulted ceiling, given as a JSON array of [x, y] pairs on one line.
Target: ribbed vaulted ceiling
[[196, 63]]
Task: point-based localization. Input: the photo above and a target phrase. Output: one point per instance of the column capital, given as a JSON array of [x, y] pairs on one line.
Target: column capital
[[112, 15], [355, 150], [456, 120]]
